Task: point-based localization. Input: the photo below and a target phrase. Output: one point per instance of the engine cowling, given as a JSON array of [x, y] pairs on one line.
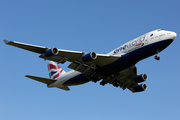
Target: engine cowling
[[51, 52], [140, 78], [140, 88], [89, 57]]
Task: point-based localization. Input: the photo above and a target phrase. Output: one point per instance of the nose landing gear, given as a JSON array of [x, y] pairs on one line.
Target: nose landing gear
[[157, 56]]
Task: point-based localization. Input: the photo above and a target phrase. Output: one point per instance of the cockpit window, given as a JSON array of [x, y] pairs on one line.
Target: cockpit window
[[159, 30]]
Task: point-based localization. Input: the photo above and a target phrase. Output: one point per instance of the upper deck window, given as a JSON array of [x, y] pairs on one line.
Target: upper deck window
[[159, 30]]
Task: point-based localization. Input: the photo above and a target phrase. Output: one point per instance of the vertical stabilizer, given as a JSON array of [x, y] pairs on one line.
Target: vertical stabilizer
[[54, 70]]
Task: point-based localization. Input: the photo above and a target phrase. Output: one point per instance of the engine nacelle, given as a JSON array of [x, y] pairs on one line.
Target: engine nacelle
[[140, 78], [140, 88], [89, 57], [51, 52]]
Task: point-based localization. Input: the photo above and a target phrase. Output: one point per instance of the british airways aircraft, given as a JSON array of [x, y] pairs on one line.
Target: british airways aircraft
[[116, 68]]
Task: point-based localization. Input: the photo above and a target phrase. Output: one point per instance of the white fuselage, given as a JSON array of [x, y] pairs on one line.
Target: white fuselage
[[147, 39]]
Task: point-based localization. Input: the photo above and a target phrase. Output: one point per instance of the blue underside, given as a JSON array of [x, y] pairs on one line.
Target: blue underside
[[124, 62], [79, 79]]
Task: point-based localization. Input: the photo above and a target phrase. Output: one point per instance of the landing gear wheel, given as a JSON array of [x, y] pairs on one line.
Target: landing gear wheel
[[116, 84], [95, 80], [157, 57], [103, 82]]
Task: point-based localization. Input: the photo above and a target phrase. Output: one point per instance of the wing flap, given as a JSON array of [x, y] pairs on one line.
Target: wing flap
[[57, 59], [86, 69], [41, 79]]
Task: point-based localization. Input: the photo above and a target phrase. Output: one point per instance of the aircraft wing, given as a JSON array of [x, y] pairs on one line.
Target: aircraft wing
[[32, 48], [66, 55]]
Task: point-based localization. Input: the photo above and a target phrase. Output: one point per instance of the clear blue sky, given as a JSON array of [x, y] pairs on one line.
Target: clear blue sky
[[86, 25]]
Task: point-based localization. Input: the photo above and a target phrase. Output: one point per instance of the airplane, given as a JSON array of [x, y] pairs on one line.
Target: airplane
[[116, 67]]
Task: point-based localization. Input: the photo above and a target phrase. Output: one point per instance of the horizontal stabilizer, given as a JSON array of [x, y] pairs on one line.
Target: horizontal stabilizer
[[40, 79], [64, 88]]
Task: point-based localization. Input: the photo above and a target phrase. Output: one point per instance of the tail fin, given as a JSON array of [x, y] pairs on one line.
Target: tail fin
[[54, 70]]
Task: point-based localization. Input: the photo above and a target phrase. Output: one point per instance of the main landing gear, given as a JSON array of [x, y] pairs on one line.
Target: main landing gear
[[157, 56]]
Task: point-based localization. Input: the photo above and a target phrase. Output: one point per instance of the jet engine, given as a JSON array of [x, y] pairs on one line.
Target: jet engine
[[140, 78], [51, 52], [140, 88], [89, 57]]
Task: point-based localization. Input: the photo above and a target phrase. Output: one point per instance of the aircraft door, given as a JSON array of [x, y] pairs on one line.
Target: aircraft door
[[146, 42], [141, 52], [159, 38]]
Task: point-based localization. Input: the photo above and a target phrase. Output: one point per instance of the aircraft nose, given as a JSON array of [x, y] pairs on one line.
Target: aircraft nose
[[173, 35]]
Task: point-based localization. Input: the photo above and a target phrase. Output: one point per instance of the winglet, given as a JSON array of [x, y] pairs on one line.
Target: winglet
[[6, 41]]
